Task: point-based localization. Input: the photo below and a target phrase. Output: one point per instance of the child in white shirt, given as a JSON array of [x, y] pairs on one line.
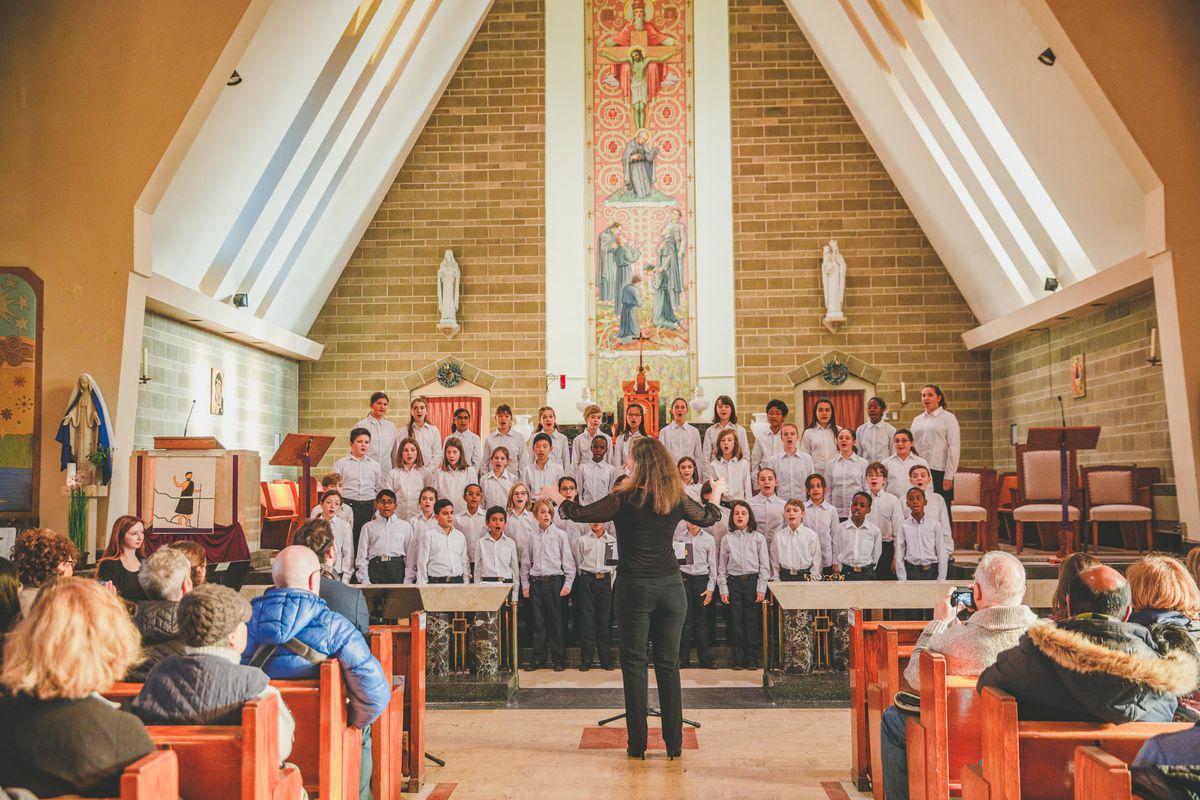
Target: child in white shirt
[[875, 435], [792, 466], [453, 475], [408, 477], [730, 465], [820, 437], [595, 478], [724, 419], [822, 517]]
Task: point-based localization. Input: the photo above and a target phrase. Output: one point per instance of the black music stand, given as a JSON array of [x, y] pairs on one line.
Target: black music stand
[[301, 450], [1064, 439]]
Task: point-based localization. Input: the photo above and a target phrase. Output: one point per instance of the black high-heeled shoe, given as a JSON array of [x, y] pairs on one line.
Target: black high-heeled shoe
[[640, 756], [674, 754]]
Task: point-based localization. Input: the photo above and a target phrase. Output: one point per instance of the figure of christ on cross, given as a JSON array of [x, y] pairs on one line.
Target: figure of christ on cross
[[641, 71]]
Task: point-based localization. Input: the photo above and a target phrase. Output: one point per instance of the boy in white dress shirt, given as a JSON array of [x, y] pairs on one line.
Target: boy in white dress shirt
[[442, 556], [543, 469], [560, 448], [333, 481], [595, 477], [935, 505], [875, 435], [472, 445], [343, 538], [770, 444], [547, 574], [593, 595], [383, 431], [887, 514], [581, 447], [495, 555], [796, 550], [859, 542], [680, 438], [699, 582], [920, 546], [473, 521], [384, 544], [792, 465], [767, 505], [504, 436], [362, 477]]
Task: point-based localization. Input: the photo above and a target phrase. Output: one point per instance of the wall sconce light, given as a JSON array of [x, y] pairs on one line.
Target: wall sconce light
[[241, 300], [235, 79], [1047, 57], [1051, 284]]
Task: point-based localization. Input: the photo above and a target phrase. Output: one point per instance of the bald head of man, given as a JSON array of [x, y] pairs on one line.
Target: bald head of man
[[1099, 590], [296, 567]]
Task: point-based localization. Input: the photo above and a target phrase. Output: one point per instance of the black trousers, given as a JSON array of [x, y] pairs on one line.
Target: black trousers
[[363, 510], [593, 602], [745, 616], [695, 624], [883, 570], [546, 608], [446, 579], [918, 573], [947, 494], [865, 574], [390, 571], [651, 610]]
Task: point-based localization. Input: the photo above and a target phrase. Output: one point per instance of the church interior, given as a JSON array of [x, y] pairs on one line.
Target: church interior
[[227, 228]]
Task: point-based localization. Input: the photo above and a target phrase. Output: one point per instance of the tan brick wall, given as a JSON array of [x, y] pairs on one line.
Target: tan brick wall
[[474, 183], [804, 173], [1125, 394]]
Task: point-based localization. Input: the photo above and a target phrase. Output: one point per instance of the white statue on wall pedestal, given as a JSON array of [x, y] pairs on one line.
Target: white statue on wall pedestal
[[833, 276], [449, 278]]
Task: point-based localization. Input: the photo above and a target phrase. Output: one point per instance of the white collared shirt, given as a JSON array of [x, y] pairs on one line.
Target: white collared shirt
[[497, 558], [473, 526], [743, 553], [361, 477], [382, 537], [935, 509], [682, 440], [858, 547], [452, 483], [594, 479], [898, 482], [560, 450], [766, 447], [590, 553], [710, 440], [471, 444], [768, 514], [846, 477], [824, 520], [875, 441], [821, 444], [407, 483], [921, 543], [797, 549], [536, 477], [495, 487], [887, 513], [343, 540], [383, 440], [581, 449], [520, 527], [513, 442], [547, 552], [791, 471], [429, 439], [736, 474], [936, 437], [442, 555], [704, 556]]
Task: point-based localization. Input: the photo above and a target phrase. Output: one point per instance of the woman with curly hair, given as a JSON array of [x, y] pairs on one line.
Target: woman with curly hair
[[40, 554]]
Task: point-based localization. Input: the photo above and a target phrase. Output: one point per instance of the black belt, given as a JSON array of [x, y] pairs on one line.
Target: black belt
[[546, 578], [450, 579], [848, 568], [353, 502], [795, 572], [915, 565], [597, 575], [495, 580], [748, 576], [385, 558]]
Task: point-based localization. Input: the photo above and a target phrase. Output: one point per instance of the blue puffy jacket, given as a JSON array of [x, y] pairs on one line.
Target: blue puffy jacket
[[281, 615]]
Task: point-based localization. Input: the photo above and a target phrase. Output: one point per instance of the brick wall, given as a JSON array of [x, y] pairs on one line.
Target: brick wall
[[472, 183], [1124, 393], [804, 173]]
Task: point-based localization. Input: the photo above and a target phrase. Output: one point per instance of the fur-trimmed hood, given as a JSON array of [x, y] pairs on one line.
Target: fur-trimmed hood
[[1173, 672]]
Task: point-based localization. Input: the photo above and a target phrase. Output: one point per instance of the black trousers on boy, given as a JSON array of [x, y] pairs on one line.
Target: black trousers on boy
[[547, 618], [593, 601], [745, 615], [695, 625]]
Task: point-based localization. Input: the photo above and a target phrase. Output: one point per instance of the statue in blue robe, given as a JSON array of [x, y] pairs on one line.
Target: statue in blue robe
[[631, 301], [623, 260]]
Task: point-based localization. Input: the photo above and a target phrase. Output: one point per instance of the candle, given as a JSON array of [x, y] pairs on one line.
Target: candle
[[903, 393], [1153, 341], [145, 360]]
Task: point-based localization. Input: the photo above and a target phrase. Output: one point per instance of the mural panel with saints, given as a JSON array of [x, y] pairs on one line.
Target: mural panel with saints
[[640, 205]]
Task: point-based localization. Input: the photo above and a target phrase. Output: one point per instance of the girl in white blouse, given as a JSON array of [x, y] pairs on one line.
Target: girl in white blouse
[[426, 434], [690, 475], [898, 465], [632, 427], [560, 448], [521, 522], [820, 437], [730, 465], [454, 474], [936, 435], [724, 419], [847, 473], [408, 477]]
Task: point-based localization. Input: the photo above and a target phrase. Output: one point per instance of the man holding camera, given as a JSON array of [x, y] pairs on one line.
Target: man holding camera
[[996, 623]]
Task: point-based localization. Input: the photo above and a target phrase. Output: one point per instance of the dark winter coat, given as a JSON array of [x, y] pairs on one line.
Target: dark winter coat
[[157, 623], [197, 689]]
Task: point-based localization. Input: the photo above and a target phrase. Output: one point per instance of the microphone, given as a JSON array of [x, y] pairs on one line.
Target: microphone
[[1062, 410], [189, 421]]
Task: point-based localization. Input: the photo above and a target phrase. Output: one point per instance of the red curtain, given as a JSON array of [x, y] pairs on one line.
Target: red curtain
[[847, 406], [441, 412]]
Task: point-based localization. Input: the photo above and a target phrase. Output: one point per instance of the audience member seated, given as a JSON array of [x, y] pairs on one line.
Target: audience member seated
[[40, 554], [122, 559], [166, 577], [1096, 665], [208, 685], [1168, 767], [1068, 568], [1164, 592], [10, 599], [998, 620], [58, 737], [292, 629], [196, 556], [317, 535]]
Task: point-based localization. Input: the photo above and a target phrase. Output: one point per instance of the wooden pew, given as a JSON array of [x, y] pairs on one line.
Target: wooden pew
[[945, 737], [387, 733], [408, 648], [1100, 774], [209, 755], [151, 777], [863, 655], [327, 750], [888, 679], [1033, 760]]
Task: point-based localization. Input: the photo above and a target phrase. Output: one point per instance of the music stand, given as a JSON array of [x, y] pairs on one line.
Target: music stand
[[1064, 439], [301, 450]]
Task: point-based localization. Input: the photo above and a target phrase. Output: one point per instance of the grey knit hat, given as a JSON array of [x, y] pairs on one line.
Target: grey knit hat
[[209, 614]]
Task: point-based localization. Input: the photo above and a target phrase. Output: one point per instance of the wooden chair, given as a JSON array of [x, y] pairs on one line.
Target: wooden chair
[[327, 750], [945, 737], [278, 513], [1006, 485], [1038, 496], [893, 646], [1099, 774], [1033, 760], [1112, 495], [864, 664], [387, 732], [408, 648], [975, 501]]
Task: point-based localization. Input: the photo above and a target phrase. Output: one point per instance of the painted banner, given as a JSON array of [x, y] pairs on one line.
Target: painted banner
[[640, 267], [20, 327]]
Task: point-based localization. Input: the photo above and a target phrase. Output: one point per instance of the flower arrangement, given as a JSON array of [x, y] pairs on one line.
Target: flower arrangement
[[77, 510]]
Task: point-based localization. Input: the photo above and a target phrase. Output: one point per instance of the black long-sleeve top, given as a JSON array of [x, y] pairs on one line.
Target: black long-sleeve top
[[644, 537]]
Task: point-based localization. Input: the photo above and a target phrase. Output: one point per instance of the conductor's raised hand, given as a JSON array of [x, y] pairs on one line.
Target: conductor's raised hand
[[718, 490], [551, 493]]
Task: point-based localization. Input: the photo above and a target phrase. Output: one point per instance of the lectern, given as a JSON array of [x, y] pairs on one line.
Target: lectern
[[301, 450], [1064, 440]]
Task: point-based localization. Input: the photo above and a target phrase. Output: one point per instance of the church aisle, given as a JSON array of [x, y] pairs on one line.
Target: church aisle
[[536, 755]]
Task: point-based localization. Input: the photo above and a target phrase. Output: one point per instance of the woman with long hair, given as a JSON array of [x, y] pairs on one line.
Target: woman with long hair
[[820, 437], [935, 433], [1068, 568], [648, 595], [123, 558]]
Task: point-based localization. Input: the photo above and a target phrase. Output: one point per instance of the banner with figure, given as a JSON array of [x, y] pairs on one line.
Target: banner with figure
[[640, 215]]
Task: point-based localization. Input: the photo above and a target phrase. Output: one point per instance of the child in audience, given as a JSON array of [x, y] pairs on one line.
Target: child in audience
[[681, 439], [859, 543], [887, 514], [581, 447], [453, 475], [822, 517], [497, 482], [699, 583], [362, 476], [384, 544], [770, 444], [742, 572], [690, 477], [847, 473], [472, 447], [547, 574], [333, 481], [543, 469], [632, 427], [560, 448], [472, 521], [920, 545], [424, 432], [766, 505], [792, 466], [820, 437], [595, 477], [724, 419], [730, 464], [521, 520], [408, 477], [343, 535], [442, 556], [901, 461], [494, 556], [593, 595], [796, 549], [504, 436], [875, 435], [935, 507]]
